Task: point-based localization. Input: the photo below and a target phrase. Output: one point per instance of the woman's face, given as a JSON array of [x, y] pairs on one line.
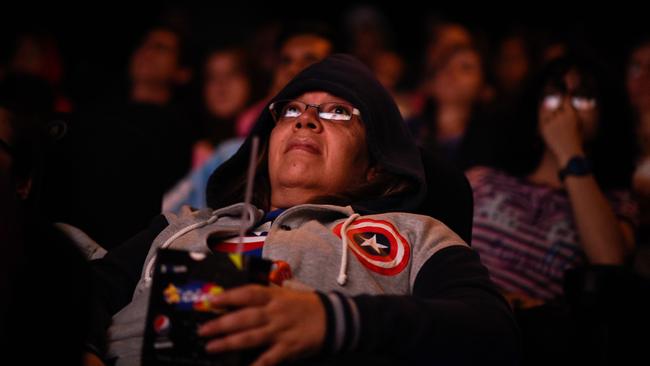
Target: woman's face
[[156, 59], [447, 37], [581, 99], [227, 88], [512, 63], [638, 79], [460, 80], [297, 53], [311, 157]]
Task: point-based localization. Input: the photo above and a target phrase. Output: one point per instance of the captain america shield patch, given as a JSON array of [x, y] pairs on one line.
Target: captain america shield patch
[[377, 245]]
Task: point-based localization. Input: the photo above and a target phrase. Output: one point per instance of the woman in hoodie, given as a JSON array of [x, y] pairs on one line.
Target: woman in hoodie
[[337, 173]]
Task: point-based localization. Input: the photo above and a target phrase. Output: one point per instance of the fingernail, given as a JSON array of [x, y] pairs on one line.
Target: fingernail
[[201, 331], [215, 299], [214, 346], [206, 329]]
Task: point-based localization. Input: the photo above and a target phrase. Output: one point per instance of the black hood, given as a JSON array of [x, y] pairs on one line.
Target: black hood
[[389, 141]]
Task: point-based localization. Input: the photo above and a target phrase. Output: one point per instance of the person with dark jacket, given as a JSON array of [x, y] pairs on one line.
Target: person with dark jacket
[[339, 191], [44, 279], [134, 144]]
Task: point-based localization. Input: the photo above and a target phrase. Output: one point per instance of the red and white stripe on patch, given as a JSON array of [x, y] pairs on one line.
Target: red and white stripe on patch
[[378, 245], [249, 243]]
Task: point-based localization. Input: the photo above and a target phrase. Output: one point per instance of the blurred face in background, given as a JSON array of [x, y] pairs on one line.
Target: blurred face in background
[[446, 37], [554, 51], [297, 53], [389, 68], [460, 80], [226, 88], [38, 56], [156, 60], [512, 63], [638, 79]]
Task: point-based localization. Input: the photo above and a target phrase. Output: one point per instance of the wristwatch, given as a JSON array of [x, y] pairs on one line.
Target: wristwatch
[[577, 165]]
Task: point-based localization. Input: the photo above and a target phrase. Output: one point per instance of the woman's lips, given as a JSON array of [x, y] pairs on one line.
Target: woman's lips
[[307, 146]]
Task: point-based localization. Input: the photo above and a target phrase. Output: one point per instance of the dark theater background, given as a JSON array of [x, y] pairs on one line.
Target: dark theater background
[[113, 111]]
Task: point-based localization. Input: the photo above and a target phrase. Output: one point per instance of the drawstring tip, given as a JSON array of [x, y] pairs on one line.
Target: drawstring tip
[[342, 279]]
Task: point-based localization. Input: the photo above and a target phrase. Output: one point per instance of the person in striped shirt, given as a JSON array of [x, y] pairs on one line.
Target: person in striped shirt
[[558, 196]]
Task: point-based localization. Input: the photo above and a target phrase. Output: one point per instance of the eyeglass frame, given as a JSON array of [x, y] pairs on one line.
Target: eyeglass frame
[[355, 111], [574, 102]]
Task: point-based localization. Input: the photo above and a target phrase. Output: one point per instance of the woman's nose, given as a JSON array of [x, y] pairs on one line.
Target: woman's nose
[[309, 119]]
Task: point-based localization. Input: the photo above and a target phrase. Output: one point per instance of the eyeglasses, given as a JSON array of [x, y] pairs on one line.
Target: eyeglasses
[[282, 110], [582, 103]]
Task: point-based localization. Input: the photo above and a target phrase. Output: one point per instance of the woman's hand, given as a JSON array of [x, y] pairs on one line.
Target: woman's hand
[[291, 323], [560, 129]]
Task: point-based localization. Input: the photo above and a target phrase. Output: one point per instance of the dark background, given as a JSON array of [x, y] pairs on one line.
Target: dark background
[[96, 38]]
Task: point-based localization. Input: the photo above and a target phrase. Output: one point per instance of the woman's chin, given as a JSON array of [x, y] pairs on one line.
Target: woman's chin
[[298, 169], [300, 181]]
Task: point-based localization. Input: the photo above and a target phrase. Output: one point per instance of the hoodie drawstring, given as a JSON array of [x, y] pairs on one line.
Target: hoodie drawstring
[[343, 277], [148, 274]]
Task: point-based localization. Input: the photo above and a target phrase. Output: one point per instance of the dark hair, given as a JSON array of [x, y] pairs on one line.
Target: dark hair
[[612, 151]]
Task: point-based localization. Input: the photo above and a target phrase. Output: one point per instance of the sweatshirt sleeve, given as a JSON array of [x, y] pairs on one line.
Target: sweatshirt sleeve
[[455, 316], [114, 278]]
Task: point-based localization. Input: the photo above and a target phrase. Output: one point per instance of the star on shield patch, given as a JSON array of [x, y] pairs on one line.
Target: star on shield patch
[[377, 245]]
